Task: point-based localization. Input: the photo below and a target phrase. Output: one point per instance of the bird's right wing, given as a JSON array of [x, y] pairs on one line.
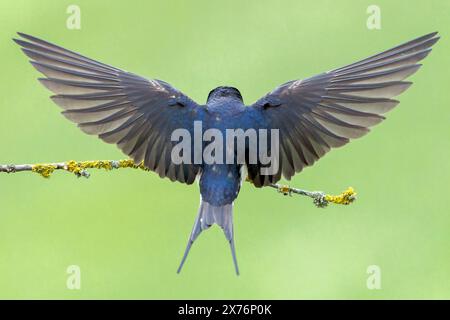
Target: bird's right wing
[[137, 114], [326, 111]]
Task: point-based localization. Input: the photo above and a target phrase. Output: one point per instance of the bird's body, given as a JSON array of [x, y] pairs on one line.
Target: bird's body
[[141, 116], [220, 182]]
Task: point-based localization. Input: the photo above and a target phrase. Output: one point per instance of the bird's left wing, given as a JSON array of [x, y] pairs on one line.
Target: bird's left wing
[[137, 114], [327, 110]]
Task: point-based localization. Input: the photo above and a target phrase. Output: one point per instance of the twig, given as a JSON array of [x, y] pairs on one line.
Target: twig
[[320, 199], [77, 168]]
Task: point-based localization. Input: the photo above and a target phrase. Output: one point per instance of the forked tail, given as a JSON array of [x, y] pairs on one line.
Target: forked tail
[[206, 217]]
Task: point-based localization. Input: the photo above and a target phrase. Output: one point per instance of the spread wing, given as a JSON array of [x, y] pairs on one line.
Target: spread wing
[[137, 114], [327, 110]]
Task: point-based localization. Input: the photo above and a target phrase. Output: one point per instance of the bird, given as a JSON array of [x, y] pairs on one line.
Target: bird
[[311, 115]]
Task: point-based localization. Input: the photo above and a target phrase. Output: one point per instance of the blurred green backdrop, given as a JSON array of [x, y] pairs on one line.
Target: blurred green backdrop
[[127, 230]]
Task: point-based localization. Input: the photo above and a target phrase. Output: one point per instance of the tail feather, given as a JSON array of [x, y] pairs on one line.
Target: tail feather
[[206, 217]]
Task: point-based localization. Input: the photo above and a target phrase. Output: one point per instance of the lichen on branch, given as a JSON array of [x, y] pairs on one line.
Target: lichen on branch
[[80, 169]]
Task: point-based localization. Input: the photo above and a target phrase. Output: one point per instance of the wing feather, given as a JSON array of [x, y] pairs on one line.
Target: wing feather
[[328, 110], [136, 114]]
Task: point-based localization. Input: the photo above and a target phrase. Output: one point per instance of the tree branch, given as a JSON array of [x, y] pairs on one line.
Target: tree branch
[[80, 169]]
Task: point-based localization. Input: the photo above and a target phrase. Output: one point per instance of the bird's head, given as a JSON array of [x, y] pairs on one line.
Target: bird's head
[[224, 92]]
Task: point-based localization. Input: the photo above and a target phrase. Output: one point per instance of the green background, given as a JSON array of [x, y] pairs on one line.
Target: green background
[[127, 230]]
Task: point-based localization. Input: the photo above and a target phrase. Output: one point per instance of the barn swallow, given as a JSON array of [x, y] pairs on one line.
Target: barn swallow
[[140, 115]]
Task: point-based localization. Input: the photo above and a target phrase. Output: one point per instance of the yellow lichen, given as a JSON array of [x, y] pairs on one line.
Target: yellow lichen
[[79, 168], [72, 166], [130, 164], [345, 198], [45, 170], [284, 190]]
